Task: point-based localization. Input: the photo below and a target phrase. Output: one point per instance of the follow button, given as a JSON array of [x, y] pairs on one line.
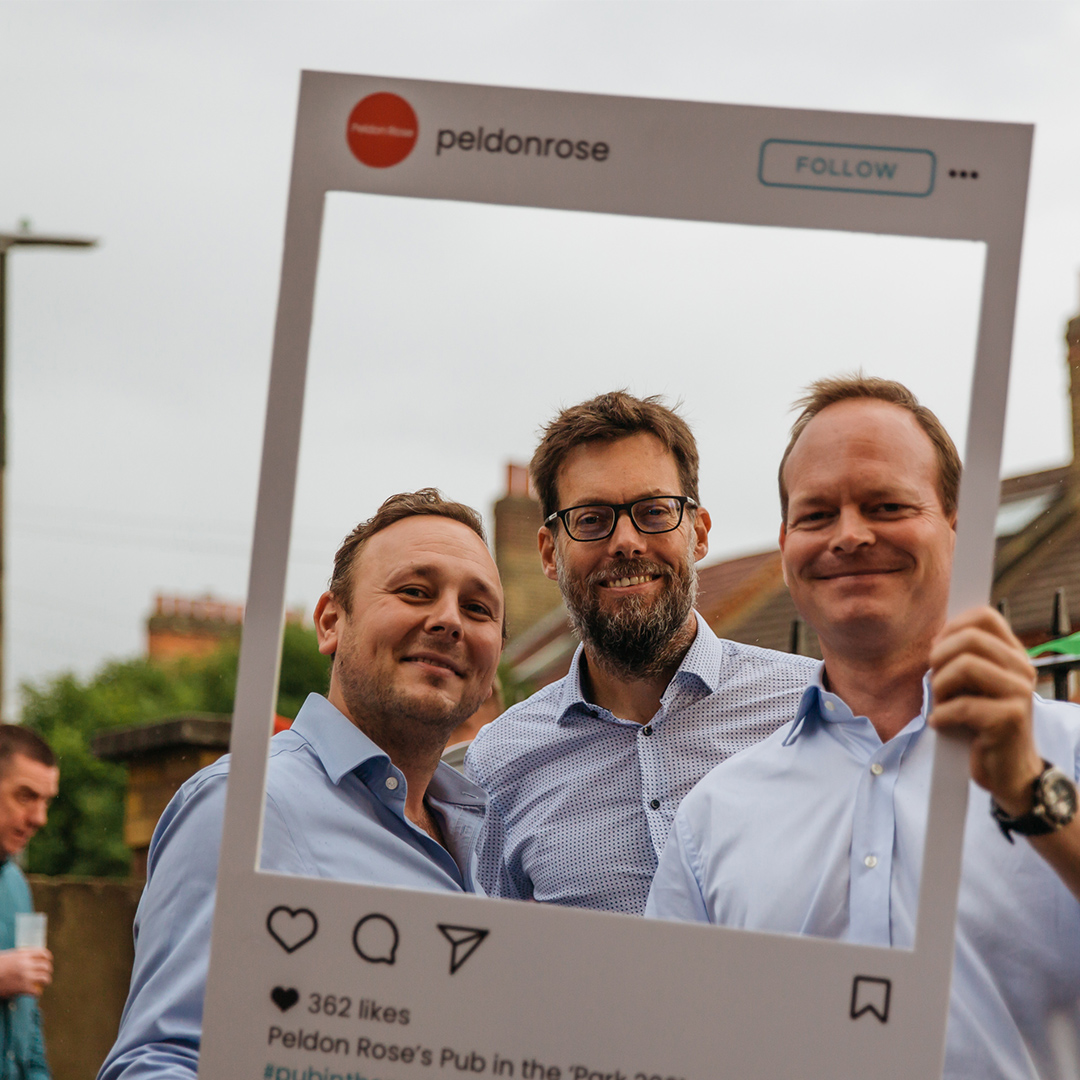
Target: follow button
[[874, 170]]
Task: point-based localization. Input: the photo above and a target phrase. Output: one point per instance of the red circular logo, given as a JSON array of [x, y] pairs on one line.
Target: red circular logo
[[382, 130]]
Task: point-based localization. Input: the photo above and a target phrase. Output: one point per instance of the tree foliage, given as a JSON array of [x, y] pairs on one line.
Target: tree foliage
[[84, 834]]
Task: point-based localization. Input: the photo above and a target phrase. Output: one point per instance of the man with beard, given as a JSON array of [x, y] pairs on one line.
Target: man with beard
[[585, 776], [355, 791]]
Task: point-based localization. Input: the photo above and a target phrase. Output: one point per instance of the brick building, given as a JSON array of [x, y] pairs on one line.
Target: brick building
[[529, 594]]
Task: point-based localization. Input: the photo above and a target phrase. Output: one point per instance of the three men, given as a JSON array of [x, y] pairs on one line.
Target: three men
[[413, 619], [29, 780], [838, 798], [585, 776]]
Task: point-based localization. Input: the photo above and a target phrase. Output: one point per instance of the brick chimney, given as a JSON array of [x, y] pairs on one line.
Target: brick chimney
[[183, 626], [529, 594]]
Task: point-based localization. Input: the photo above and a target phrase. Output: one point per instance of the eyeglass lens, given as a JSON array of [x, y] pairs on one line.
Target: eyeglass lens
[[649, 515]]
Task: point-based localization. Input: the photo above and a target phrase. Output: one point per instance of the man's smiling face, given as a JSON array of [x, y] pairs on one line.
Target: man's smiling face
[[867, 548], [423, 636], [630, 595]]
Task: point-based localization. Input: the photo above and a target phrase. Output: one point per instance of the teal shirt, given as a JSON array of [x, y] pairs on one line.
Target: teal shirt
[[22, 1050]]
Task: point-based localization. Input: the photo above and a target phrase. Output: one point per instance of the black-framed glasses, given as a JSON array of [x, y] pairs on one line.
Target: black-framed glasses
[[657, 514]]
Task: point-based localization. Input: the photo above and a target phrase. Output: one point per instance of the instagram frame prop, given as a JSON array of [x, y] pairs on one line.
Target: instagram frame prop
[[524, 990]]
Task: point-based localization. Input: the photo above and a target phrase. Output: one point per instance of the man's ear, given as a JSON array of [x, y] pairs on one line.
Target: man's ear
[[328, 616], [783, 538], [702, 524], [545, 540]]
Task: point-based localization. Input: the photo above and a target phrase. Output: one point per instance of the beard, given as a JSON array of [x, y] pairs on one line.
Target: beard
[[392, 715], [638, 638]]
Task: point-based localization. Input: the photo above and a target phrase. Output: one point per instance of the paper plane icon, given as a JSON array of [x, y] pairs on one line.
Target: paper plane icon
[[464, 941]]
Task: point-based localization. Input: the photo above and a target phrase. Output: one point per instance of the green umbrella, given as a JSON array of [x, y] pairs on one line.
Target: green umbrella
[[1067, 646]]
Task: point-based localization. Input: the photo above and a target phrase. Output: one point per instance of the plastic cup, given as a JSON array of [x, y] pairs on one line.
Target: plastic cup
[[30, 929]]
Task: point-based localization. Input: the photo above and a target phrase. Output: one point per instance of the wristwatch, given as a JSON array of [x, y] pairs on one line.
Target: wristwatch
[[1054, 803]]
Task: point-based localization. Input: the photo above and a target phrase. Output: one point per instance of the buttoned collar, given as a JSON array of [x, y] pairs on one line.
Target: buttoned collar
[[342, 748], [698, 673], [820, 706]]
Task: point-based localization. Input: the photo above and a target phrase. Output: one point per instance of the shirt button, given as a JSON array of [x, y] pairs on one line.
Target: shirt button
[[871, 861], [877, 768], [391, 783], [647, 729], [654, 804], [831, 706]]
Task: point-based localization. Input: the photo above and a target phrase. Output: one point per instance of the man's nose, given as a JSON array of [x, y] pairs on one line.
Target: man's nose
[[852, 530], [37, 815], [625, 541], [445, 617]]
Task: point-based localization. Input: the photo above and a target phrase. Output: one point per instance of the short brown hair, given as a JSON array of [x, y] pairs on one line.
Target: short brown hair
[[426, 501], [611, 416], [824, 392], [20, 740]]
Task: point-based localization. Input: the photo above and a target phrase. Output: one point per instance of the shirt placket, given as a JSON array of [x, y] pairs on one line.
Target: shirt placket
[[872, 841], [390, 789], [655, 794]]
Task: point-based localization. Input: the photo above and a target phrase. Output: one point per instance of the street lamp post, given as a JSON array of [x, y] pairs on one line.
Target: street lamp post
[[23, 238]]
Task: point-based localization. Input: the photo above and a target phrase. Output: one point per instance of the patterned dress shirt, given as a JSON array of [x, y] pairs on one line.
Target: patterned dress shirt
[[581, 802]]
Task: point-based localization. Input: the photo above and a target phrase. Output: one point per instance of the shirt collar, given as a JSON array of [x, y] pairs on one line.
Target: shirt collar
[[821, 706], [342, 748], [701, 666]]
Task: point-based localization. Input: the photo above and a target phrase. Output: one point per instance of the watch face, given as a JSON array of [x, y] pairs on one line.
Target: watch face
[[1058, 797]]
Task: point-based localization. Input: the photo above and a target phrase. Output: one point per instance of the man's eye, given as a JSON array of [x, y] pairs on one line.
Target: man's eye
[[890, 508], [479, 609], [412, 590]]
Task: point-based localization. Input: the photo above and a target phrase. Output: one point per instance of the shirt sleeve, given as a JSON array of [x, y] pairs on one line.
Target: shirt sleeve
[[494, 872], [676, 888], [162, 1020], [161, 1026]]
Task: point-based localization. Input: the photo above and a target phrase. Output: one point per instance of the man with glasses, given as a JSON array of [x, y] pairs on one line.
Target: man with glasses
[[586, 775]]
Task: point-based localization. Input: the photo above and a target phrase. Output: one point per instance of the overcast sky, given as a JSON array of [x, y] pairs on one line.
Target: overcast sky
[[137, 372]]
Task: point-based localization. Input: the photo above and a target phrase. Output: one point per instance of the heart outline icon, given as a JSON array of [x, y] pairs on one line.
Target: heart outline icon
[[284, 997], [286, 932]]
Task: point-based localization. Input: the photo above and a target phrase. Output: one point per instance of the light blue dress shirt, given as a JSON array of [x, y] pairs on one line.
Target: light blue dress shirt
[[335, 808], [819, 830], [582, 801]]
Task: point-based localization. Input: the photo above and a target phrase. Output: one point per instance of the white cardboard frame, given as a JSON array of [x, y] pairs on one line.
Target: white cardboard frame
[[595, 995]]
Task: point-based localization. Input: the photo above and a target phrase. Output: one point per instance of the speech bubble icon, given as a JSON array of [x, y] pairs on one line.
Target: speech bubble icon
[[870, 995], [375, 939]]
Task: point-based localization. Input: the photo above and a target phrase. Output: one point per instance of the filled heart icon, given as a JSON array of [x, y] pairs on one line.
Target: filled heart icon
[[284, 997], [291, 929]]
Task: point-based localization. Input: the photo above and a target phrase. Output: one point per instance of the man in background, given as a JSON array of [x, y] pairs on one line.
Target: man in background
[[29, 781], [586, 775], [821, 828]]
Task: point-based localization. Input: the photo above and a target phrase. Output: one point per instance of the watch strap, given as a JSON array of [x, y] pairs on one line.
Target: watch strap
[[1037, 821]]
